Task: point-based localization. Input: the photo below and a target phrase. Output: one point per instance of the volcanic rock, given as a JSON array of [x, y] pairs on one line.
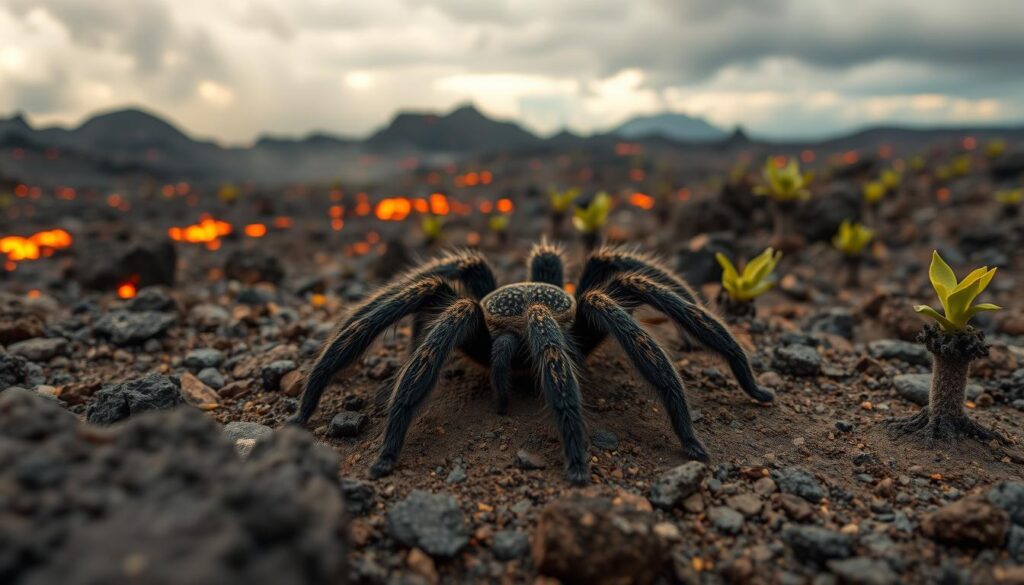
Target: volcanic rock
[[131, 328], [971, 521], [677, 484], [591, 540], [432, 522], [103, 265], [150, 392], [39, 349], [253, 266], [162, 499], [797, 360], [817, 544], [798, 481]]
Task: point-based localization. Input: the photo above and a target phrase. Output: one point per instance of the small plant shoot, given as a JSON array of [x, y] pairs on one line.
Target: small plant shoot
[[785, 184], [755, 278], [852, 238], [957, 298]]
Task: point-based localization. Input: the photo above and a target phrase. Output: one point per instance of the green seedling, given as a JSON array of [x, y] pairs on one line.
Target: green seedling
[[995, 148], [786, 184], [589, 219], [498, 224], [432, 227], [560, 202], [957, 298], [852, 238], [874, 192], [755, 279], [891, 178], [1010, 196], [954, 345]]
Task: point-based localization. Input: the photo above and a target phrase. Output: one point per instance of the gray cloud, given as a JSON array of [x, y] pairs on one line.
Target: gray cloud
[[233, 69]]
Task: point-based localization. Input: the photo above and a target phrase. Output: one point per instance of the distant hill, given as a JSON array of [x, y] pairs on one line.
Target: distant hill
[[136, 145], [464, 129], [678, 127]]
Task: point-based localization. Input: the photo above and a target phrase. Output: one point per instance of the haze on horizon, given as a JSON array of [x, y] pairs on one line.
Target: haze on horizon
[[234, 69]]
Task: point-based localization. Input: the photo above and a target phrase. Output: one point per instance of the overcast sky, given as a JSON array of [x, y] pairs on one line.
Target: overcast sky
[[233, 69]]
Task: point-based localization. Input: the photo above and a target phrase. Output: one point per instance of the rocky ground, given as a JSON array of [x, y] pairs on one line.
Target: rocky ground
[[144, 441]]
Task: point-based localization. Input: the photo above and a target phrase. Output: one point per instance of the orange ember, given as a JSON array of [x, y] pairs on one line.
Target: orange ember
[[43, 243], [393, 209], [439, 204], [207, 231], [126, 291], [641, 200], [255, 230]]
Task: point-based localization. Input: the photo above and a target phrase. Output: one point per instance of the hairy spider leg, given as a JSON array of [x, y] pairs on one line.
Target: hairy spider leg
[[467, 268], [503, 351], [553, 360], [547, 264], [598, 311], [608, 262], [359, 331], [458, 322], [633, 289]]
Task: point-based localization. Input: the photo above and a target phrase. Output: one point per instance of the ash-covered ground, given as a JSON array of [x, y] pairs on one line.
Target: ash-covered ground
[[150, 365]]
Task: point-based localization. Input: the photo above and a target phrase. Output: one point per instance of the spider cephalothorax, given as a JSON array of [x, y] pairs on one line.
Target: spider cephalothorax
[[456, 304]]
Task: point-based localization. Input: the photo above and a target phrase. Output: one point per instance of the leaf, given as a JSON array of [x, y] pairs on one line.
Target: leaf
[[766, 264], [960, 301], [981, 307], [926, 310], [728, 270], [940, 273], [970, 279], [760, 289]]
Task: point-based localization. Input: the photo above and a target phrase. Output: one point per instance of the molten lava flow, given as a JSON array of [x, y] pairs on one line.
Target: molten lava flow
[[641, 200]]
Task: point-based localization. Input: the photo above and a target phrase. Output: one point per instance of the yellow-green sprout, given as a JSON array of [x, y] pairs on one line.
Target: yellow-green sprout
[[960, 166], [956, 297], [785, 184], [995, 148], [891, 178], [852, 238], [432, 226], [755, 279], [498, 223], [228, 193], [591, 218], [874, 192], [561, 200], [1010, 196]]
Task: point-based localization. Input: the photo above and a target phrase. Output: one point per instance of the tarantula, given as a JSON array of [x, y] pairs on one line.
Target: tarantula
[[456, 304]]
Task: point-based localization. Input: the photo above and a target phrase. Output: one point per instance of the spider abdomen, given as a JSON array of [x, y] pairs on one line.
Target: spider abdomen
[[507, 307]]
